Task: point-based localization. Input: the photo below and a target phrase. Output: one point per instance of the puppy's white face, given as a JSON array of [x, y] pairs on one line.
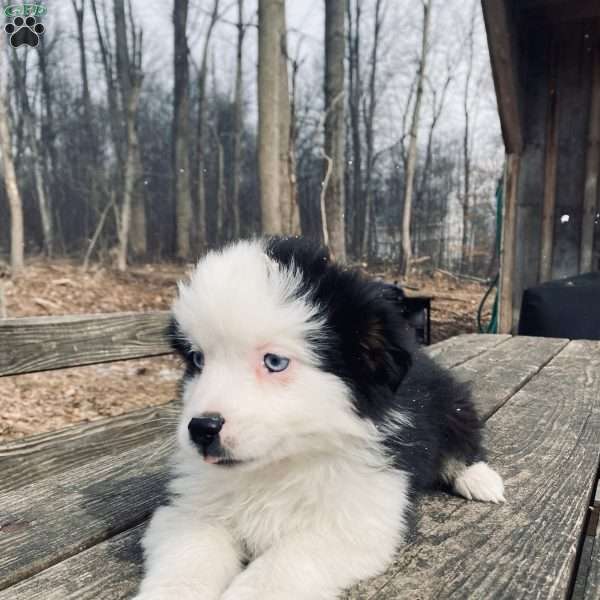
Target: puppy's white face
[[246, 326]]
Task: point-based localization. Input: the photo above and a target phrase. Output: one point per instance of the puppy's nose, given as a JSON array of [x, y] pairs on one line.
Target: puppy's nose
[[203, 430]]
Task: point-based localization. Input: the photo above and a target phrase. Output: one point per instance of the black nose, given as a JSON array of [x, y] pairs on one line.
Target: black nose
[[203, 430]]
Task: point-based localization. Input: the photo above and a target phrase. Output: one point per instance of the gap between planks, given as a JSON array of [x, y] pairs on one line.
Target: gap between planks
[[94, 473]]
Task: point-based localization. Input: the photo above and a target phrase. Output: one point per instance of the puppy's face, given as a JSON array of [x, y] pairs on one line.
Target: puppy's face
[[267, 373]]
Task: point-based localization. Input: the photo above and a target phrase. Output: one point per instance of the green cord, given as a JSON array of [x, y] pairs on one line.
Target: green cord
[[492, 326]]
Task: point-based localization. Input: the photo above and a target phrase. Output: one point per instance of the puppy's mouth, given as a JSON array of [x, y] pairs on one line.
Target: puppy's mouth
[[222, 461]]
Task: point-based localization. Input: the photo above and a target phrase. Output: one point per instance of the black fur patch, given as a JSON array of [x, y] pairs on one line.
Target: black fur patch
[[181, 345], [368, 343]]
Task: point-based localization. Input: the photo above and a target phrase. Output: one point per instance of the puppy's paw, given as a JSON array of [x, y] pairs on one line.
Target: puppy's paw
[[480, 482]]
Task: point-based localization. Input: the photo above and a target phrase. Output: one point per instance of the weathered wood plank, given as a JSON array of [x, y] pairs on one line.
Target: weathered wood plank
[[24, 461], [502, 42], [589, 565], [57, 517], [550, 166], [508, 246], [45, 343], [574, 88], [60, 511], [545, 443], [592, 171], [461, 348], [27, 460], [109, 571], [498, 374]]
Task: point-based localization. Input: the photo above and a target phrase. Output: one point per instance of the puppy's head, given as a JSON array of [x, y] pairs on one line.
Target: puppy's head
[[286, 353]]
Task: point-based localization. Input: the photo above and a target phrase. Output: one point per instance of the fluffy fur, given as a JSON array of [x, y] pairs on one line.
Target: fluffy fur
[[307, 487]]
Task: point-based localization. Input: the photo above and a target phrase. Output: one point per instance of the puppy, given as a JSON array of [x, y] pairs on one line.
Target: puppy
[[309, 420]]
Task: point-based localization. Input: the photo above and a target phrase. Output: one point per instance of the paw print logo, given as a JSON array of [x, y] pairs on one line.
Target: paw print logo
[[24, 31]]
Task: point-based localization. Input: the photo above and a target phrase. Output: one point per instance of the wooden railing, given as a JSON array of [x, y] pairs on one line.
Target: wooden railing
[[34, 344]]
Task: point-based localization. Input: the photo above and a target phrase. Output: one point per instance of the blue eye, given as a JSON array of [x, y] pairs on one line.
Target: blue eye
[[198, 360], [276, 363]]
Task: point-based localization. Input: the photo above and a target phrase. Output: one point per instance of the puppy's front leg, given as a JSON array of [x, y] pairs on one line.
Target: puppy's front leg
[[186, 558], [311, 566]]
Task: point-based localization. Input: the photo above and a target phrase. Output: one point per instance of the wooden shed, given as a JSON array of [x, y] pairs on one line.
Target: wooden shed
[[545, 57]]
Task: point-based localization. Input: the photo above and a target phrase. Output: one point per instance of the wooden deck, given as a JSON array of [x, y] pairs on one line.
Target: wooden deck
[[74, 503]]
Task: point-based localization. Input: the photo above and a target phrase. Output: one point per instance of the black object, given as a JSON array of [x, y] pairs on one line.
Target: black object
[[565, 308], [415, 309]]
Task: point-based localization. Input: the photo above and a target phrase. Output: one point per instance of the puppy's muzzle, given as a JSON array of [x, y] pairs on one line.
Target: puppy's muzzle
[[205, 430]]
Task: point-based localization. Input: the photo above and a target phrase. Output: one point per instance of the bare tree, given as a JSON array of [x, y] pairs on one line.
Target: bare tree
[[411, 161], [269, 50], [19, 67], [200, 129], [48, 146], [466, 195], [181, 127], [17, 243], [287, 198], [129, 70], [368, 216], [355, 218], [79, 9], [238, 122], [334, 126]]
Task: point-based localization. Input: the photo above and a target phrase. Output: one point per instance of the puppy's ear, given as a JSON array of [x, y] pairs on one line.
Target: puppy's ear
[[384, 349]]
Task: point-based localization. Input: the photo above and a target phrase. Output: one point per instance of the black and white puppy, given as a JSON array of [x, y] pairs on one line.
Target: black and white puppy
[[309, 420]]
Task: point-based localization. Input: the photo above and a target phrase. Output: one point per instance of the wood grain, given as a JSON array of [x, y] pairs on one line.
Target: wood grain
[[461, 348], [25, 461], [45, 343], [504, 55], [592, 171], [57, 517], [544, 441], [62, 510], [506, 310], [545, 444], [108, 571], [498, 374]]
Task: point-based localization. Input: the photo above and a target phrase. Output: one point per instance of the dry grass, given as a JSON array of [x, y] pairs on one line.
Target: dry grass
[[42, 402]]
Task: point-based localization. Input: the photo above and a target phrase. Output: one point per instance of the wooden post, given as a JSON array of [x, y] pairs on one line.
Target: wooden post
[[550, 167], [592, 166], [507, 250]]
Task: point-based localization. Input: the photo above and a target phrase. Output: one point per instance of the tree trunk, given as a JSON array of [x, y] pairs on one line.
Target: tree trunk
[[15, 204], [296, 228], [269, 69], [130, 175], [283, 113], [335, 126], [87, 102], [238, 124], [369, 134], [111, 91], [201, 230], [181, 126], [138, 236], [411, 161], [37, 159], [220, 185], [466, 201], [129, 70], [357, 208]]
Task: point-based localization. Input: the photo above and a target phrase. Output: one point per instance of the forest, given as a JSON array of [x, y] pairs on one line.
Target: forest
[[140, 132]]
